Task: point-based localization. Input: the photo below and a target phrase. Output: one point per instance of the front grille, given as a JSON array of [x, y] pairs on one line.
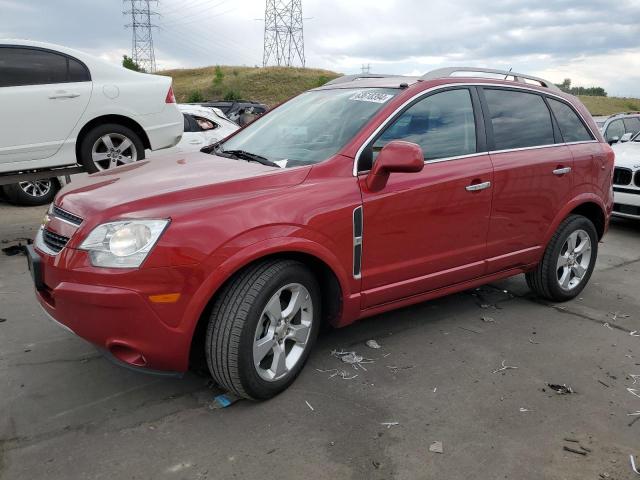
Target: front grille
[[54, 241], [64, 215], [636, 179], [622, 176]]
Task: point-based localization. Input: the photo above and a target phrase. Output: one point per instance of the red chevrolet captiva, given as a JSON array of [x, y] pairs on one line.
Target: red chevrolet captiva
[[352, 199]]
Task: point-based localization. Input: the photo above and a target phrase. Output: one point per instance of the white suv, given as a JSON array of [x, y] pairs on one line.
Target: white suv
[[61, 107]]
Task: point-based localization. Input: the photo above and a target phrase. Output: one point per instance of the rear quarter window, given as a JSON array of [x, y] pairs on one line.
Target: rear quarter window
[[571, 127], [519, 119]]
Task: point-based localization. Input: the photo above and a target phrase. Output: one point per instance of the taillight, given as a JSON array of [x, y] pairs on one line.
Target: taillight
[[171, 98]]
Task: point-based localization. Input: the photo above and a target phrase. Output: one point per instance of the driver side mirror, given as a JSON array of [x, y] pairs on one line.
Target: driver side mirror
[[613, 140], [395, 156]]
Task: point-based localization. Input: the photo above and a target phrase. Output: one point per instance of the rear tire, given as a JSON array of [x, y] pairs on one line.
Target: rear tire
[[262, 328], [568, 261], [108, 146], [32, 193]]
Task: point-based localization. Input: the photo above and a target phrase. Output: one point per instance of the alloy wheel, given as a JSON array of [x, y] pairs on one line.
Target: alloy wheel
[[112, 150], [36, 188], [574, 260], [283, 332]]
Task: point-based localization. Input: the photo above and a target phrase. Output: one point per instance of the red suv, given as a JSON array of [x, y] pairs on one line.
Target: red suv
[[347, 201]]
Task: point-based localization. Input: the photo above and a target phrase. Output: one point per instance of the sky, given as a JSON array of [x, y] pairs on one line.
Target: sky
[[593, 42]]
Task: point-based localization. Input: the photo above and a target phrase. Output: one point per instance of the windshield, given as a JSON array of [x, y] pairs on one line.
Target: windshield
[[311, 127]]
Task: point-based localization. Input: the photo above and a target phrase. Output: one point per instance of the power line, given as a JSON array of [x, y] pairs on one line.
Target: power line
[[142, 51], [283, 33]]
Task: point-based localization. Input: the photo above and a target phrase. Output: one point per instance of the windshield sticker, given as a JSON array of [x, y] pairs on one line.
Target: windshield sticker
[[374, 97]]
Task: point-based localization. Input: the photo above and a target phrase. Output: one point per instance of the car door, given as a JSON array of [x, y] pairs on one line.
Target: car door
[[43, 95], [532, 175], [427, 230]]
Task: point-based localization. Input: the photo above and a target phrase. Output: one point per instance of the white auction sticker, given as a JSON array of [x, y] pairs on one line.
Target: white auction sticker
[[374, 97]]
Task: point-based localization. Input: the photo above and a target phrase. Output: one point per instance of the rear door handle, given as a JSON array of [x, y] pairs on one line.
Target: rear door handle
[[57, 95], [475, 187], [562, 171]]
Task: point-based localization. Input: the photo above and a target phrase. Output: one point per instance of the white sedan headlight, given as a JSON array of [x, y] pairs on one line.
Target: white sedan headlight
[[122, 244]]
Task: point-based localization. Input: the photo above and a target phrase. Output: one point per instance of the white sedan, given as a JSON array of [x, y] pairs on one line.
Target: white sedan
[[626, 178], [202, 126], [61, 107]]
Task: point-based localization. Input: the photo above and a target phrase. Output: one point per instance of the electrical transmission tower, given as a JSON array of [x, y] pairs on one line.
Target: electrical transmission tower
[[142, 39], [283, 36]]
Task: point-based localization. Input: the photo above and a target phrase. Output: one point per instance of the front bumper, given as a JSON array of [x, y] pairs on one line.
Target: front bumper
[[627, 202], [114, 312]]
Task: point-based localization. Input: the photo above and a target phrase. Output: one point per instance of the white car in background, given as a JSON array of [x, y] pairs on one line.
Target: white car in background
[[626, 178], [60, 107], [202, 126]]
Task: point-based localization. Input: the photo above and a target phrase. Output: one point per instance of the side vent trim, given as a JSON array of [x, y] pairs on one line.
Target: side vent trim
[[357, 242]]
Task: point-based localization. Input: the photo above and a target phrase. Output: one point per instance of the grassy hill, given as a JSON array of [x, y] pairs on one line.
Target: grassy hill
[[270, 85], [273, 85]]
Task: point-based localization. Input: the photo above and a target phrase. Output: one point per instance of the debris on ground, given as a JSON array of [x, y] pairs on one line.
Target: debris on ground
[[390, 424], [376, 464], [524, 410], [606, 324], [560, 389], [635, 377], [615, 315], [18, 249], [634, 391], [634, 333], [533, 342], [487, 319], [436, 447], [633, 464], [352, 358], [2, 320], [338, 373], [504, 367], [223, 401], [605, 384], [470, 330], [373, 344], [310, 407], [574, 450], [394, 369]]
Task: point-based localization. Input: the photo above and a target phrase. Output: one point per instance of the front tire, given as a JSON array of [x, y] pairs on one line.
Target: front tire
[[262, 328], [32, 192], [568, 261], [108, 146]]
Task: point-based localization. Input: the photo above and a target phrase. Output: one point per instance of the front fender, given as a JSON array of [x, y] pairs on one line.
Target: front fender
[[233, 256]]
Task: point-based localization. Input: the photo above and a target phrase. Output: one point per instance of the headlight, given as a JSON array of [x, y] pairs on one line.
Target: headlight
[[123, 244]]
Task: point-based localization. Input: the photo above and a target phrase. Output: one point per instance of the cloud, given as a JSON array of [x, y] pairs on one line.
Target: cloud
[[594, 41]]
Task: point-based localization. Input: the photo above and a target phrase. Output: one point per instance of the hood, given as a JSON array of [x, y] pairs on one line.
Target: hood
[[627, 154], [169, 182]]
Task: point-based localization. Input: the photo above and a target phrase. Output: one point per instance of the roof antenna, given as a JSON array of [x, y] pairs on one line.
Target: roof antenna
[[505, 77]]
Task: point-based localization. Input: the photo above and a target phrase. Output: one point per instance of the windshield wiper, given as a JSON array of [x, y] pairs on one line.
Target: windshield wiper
[[251, 157]]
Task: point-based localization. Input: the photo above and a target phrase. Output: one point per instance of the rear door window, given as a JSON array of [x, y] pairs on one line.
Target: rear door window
[[442, 124], [519, 119], [30, 66], [632, 125], [571, 127]]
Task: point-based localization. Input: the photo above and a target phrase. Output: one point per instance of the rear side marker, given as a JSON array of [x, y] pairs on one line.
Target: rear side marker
[[165, 298]]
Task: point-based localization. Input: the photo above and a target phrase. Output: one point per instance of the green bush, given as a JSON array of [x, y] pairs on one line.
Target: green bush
[[232, 96], [195, 97], [322, 79], [218, 76]]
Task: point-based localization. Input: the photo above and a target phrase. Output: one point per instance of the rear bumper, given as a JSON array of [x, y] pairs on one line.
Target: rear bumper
[[164, 129]]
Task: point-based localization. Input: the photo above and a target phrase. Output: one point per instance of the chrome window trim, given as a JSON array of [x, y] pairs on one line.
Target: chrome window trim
[[475, 84], [357, 241]]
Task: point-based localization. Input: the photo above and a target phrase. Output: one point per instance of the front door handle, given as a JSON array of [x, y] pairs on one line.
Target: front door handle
[[475, 187], [562, 170], [63, 95]]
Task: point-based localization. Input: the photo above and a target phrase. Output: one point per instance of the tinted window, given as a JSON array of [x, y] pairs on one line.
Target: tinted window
[[615, 129], [571, 127], [78, 72], [519, 119], [187, 124], [22, 66], [442, 124], [632, 125]]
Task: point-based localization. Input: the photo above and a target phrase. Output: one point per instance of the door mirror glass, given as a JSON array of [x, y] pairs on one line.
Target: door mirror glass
[[395, 156], [613, 140]]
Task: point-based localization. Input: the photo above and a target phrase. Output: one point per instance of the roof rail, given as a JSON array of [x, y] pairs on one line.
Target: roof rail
[[517, 77], [352, 78]]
